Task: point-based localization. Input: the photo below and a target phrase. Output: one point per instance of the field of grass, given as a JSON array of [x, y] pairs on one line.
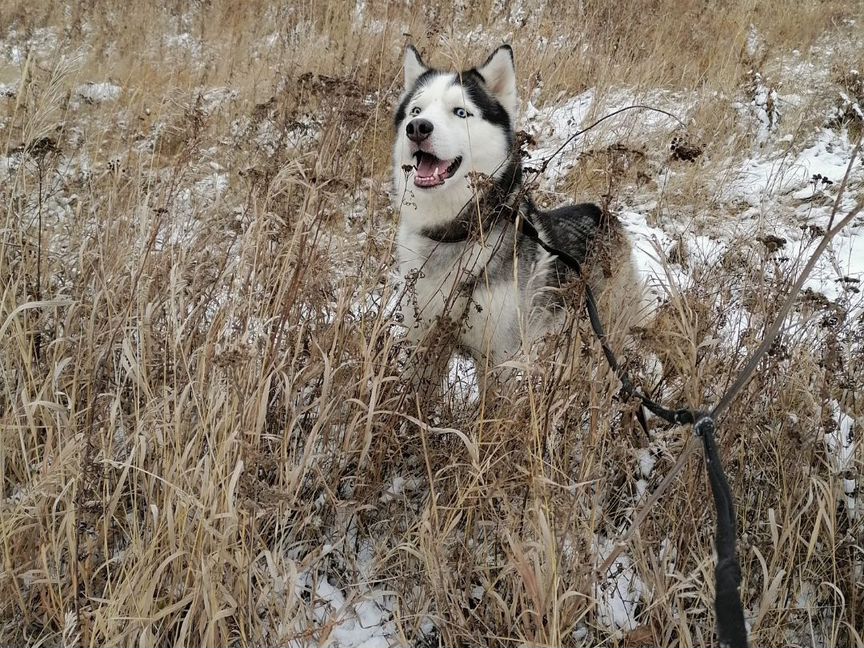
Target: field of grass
[[204, 436]]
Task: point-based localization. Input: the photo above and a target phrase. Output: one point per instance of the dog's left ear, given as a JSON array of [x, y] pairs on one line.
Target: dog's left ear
[[499, 73], [414, 66]]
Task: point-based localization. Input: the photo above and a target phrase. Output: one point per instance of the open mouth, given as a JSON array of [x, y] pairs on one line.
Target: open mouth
[[431, 172]]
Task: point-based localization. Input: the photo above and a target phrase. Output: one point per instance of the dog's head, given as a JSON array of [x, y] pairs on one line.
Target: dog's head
[[449, 124]]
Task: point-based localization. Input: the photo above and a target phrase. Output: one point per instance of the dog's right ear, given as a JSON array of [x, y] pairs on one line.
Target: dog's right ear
[[414, 66], [499, 73]]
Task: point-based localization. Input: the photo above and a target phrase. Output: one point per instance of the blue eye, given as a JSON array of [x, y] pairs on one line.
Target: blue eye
[[461, 112], [415, 110]]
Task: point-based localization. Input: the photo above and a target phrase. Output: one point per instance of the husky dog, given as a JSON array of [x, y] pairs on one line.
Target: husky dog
[[471, 276]]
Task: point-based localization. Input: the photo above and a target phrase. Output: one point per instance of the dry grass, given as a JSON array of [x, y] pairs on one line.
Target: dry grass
[[200, 403]]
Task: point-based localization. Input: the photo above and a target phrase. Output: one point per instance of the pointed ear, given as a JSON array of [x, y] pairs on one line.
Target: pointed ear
[[499, 72], [414, 66]]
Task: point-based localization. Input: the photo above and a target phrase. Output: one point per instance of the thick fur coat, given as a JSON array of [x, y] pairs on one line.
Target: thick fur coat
[[471, 278]]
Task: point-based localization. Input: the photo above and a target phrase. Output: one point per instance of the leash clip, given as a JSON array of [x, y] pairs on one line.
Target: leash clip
[[703, 424]]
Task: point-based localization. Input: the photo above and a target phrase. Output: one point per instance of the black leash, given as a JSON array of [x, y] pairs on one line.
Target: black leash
[[731, 630], [727, 574]]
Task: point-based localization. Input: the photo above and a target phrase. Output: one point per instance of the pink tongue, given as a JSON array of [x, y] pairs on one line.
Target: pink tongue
[[428, 164]]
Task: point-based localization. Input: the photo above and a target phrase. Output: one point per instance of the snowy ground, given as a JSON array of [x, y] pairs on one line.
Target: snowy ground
[[784, 186]]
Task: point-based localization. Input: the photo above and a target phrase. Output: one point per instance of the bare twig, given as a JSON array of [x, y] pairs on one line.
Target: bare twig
[[557, 151]]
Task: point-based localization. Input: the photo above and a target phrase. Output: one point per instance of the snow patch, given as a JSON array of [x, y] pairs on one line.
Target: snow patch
[[755, 42], [96, 93], [553, 125], [184, 226], [184, 44], [646, 461], [41, 43], [620, 593], [765, 108], [213, 99], [358, 620], [840, 443], [759, 178]]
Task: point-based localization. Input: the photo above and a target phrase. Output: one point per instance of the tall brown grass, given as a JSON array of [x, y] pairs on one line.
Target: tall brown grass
[[200, 398]]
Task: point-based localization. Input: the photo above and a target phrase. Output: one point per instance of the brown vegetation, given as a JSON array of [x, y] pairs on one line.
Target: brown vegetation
[[201, 413]]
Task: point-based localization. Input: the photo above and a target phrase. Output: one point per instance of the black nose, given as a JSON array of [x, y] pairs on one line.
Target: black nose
[[418, 129]]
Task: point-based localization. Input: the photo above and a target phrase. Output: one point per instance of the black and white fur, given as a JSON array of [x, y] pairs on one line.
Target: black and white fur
[[457, 178]]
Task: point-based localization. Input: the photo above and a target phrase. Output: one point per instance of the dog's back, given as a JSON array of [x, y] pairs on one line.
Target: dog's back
[[598, 242]]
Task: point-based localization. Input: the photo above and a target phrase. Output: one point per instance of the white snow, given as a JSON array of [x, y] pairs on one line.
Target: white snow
[[840, 443], [763, 178], [184, 225], [765, 107], [96, 93], [755, 42], [268, 135], [184, 43], [646, 461], [213, 99], [358, 621], [619, 594], [41, 43], [553, 125]]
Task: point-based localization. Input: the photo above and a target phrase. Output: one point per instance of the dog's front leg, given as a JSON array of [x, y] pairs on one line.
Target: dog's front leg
[[430, 348]]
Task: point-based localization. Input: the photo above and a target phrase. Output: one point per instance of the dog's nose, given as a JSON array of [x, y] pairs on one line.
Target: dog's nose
[[418, 129]]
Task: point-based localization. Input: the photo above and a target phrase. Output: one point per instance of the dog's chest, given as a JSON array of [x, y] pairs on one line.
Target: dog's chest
[[466, 283], [447, 277], [438, 276]]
